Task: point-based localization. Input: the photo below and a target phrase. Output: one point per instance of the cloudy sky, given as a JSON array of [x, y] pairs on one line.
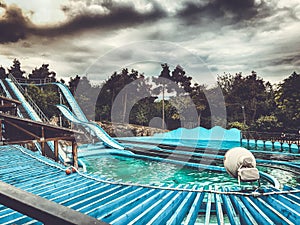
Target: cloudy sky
[[98, 37]]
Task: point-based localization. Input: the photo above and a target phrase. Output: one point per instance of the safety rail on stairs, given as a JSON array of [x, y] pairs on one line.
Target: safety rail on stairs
[[40, 113]]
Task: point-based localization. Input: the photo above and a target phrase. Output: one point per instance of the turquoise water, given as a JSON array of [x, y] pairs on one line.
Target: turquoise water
[[153, 172], [135, 170]]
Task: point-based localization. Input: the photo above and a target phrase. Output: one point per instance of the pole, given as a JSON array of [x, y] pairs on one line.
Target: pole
[[244, 114]]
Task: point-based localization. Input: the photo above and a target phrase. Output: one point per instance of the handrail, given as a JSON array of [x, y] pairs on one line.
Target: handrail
[[40, 113], [35, 80], [273, 137], [42, 209]]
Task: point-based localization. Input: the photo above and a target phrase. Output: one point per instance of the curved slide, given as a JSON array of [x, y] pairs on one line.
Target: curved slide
[[72, 102], [90, 126]]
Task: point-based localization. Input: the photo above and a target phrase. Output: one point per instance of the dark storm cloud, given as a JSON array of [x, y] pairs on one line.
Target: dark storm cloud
[[293, 59], [229, 11], [15, 26], [118, 17]]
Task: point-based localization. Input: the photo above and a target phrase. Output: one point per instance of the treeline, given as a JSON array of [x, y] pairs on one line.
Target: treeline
[[129, 96]]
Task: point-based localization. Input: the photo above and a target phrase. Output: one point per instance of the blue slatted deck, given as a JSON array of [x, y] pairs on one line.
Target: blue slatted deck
[[118, 203]]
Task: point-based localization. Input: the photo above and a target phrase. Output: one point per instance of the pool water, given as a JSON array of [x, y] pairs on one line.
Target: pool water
[[140, 171]]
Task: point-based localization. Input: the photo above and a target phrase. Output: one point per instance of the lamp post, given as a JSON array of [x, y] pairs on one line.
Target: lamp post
[[244, 114]]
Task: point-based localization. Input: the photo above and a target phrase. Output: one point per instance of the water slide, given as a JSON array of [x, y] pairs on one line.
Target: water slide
[[72, 102], [90, 126], [78, 117], [32, 114], [8, 95], [37, 145]]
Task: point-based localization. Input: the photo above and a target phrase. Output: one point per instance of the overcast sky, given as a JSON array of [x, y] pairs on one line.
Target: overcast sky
[[207, 38]]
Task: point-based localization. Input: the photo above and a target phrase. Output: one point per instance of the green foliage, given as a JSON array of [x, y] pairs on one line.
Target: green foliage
[[238, 125], [85, 94], [288, 102], [247, 98], [46, 98], [267, 123], [251, 103], [43, 73], [15, 69]]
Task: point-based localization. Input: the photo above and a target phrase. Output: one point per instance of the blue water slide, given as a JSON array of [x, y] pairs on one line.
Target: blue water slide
[[32, 113], [90, 126], [72, 102], [8, 95], [37, 145]]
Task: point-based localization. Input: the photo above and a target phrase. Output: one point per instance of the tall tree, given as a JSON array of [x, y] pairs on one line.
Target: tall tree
[[16, 71], [247, 98], [86, 95], [288, 102], [73, 83], [199, 99], [179, 76], [162, 83], [43, 74], [118, 85]]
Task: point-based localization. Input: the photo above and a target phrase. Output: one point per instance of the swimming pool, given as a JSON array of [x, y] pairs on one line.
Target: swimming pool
[[143, 170]]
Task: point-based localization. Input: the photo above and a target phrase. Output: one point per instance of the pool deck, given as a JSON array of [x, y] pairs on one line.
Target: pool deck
[[115, 202]]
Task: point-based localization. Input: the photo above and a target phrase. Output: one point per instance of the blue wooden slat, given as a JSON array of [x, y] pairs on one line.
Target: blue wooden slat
[[244, 214], [290, 213], [151, 210], [164, 214], [193, 212], [288, 188], [85, 198], [294, 196], [219, 210], [256, 212], [123, 210], [74, 191], [133, 214], [285, 199], [233, 218], [208, 207], [116, 202], [182, 210], [96, 201], [272, 213], [22, 219]]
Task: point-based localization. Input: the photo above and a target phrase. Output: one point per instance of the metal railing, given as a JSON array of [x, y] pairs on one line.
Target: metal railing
[[35, 107], [35, 80], [273, 137]]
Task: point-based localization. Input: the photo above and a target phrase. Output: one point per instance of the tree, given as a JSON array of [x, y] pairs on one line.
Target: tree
[[2, 73], [267, 123], [15, 70], [43, 74], [143, 111], [46, 98], [287, 98], [121, 85], [247, 98], [162, 85], [86, 95], [199, 99], [73, 83], [179, 76]]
